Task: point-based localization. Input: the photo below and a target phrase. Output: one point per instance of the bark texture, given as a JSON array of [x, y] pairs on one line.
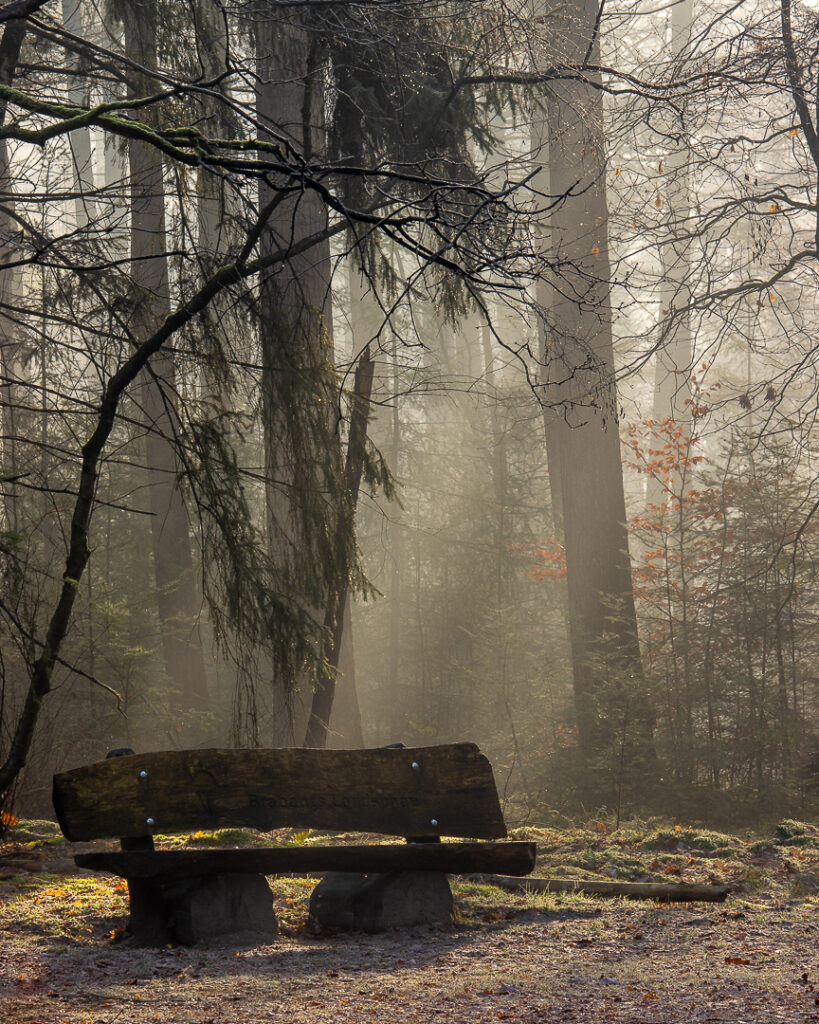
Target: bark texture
[[583, 435], [10, 363], [672, 391], [298, 388], [177, 601], [339, 603], [80, 140]]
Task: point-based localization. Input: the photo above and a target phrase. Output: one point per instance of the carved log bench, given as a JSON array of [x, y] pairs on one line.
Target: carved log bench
[[420, 794]]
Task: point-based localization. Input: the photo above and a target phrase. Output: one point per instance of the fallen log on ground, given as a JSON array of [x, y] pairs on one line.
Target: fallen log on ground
[[669, 892]]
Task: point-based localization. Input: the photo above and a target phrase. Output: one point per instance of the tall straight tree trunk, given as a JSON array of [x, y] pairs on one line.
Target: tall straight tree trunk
[[10, 358], [366, 321], [10, 361], [177, 601], [298, 389], [675, 358], [584, 448], [108, 32], [338, 696], [347, 730], [79, 140], [498, 464], [338, 604], [214, 207], [395, 540], [545, 296]]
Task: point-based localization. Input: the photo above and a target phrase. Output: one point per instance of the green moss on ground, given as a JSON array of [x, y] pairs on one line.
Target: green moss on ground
[[783, 863]]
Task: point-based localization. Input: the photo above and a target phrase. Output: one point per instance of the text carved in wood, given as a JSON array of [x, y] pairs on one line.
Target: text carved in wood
[[317, 802]]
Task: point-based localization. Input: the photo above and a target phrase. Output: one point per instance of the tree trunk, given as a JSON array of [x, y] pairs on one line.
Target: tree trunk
[[324, 692], [177, 602], [115, 172], [79, 140], [545, 297], [366, 321], [10, 363], [298, 388], [498, 467], [215, 210], [347, 729], [584, 442], [395, 541], [674, 359]]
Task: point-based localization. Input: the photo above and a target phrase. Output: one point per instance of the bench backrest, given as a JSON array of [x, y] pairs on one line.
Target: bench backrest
[[412, 791]]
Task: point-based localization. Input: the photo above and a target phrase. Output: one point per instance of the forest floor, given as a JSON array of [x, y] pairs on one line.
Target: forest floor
[[64, 955]]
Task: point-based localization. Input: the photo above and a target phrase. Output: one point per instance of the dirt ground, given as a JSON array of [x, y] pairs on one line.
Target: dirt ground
[[65, 957]]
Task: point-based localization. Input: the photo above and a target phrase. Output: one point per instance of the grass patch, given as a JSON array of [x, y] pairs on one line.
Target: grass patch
[[220, 836], [784, 867], [797, 833], [34, 832], [700, 840], [63, 906]]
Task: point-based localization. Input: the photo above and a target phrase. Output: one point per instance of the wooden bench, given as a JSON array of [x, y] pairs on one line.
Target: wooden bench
[[420, 794]]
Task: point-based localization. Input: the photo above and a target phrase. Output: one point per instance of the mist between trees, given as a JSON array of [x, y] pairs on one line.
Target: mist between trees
[[414, 371]]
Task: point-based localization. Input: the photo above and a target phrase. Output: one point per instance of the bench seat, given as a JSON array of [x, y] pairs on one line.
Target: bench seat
[[507, 858]]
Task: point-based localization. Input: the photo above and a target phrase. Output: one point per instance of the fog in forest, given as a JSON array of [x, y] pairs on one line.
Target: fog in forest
[[415, 372]]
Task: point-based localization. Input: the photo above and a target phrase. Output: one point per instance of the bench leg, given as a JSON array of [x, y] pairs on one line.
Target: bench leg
[[213, 905], [344, 901], [149, 920], [186, 912]]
